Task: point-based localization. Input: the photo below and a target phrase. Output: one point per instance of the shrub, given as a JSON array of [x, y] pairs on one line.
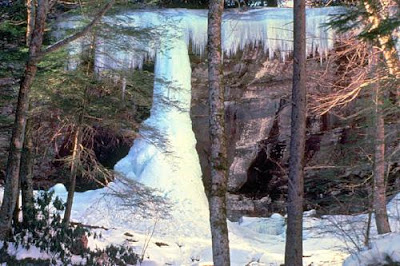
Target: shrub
[[47, 231]]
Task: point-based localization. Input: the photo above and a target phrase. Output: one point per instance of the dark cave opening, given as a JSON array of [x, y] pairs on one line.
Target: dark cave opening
[[265, 176]]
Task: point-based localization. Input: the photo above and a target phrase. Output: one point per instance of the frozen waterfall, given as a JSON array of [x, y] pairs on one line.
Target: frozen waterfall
[[174, 166], [164, 155]]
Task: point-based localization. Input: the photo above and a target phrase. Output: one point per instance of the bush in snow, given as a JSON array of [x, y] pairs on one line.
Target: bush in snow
[[47, 231]]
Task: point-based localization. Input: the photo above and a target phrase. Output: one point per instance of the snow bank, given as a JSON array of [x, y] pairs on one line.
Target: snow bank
[[382, 248], [253, 241]]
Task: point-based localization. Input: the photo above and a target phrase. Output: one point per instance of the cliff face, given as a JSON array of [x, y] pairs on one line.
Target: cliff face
[[258, 131]]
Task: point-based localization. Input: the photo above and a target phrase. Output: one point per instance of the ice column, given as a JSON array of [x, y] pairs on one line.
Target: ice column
[[164, 156]]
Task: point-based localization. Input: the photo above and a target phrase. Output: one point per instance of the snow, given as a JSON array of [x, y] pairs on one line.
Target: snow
[[387, 245], [257, 240], [261, 240]]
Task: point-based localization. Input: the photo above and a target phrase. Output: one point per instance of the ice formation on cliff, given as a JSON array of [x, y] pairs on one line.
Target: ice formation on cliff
[[164, 156]]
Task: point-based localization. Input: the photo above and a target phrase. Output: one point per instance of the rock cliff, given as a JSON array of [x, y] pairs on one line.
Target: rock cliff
[[258, 132]]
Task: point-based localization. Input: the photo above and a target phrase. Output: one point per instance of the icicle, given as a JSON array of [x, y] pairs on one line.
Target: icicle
[[271, 27]]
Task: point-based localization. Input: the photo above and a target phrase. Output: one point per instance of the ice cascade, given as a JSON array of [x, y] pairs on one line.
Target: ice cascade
[[164, 155], [169, 161]]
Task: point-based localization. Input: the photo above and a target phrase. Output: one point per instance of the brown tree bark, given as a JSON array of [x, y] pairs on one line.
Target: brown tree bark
[[17, 138], [378, 11], [218, 153], [294, 232], [379, 191]]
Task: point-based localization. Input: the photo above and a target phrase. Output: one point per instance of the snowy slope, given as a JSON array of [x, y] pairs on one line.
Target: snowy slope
[[257, 240]]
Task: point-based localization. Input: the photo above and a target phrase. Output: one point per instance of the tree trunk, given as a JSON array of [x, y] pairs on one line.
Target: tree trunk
[[26, 175], [30, 23], [76, 157], [17, 210], [378, 11], [17, 138], [379, 201], [294, 232], [218, 154]]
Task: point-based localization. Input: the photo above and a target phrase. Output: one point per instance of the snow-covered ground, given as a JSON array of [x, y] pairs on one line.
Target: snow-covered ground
[[328, 240]]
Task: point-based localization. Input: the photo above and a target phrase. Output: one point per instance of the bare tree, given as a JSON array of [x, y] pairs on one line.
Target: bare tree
[[18, 134], [294, 232], [75, 161], [218, 154], [379, 190], [17, 139]]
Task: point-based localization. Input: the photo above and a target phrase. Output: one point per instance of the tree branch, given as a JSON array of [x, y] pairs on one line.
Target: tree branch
[[79, 34]]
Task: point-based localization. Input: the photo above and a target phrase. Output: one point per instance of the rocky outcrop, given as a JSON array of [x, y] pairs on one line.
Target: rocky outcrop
[[258, 131]]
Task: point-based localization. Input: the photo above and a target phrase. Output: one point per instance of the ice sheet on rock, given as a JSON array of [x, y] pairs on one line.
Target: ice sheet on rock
[[75, 48], [164, 157], [273, 29], [58, 189]]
